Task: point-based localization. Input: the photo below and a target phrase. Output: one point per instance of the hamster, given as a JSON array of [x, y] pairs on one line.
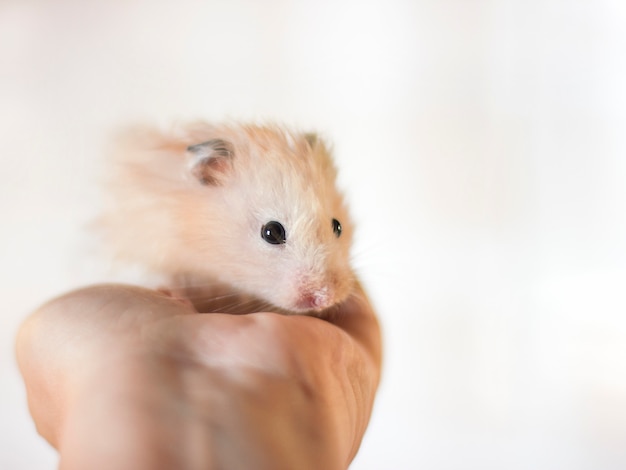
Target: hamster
[[255, 208]]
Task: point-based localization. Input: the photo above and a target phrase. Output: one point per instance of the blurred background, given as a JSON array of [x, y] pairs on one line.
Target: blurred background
[[482, 145]]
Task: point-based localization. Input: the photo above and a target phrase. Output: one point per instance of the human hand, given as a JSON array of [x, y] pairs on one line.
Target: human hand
[[120, 377]]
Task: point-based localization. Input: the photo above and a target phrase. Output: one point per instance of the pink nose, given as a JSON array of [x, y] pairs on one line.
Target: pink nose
[[313, 300]]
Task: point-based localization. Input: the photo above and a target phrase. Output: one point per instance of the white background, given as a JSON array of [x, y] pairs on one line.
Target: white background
[[482, 145]]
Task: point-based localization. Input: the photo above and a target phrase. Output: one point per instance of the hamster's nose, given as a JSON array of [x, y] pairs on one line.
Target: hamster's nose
[[314, 299]]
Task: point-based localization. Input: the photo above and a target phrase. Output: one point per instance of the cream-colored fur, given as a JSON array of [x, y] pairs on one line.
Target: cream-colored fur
[[163, 217]]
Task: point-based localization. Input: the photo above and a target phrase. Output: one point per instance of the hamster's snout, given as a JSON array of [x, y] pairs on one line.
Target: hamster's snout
[[317, 291], [314, 299]]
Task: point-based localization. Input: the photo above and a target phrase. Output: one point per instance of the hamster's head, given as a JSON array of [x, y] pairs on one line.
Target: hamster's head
[[277, 220]]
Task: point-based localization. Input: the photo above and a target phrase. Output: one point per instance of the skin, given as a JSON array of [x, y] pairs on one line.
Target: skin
[[121, 377]]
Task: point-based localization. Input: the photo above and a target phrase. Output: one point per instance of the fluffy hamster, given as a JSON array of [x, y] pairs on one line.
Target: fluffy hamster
[[254, 208]]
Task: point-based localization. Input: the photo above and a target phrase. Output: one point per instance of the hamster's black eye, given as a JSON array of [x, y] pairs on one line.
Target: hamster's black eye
[[273, 232], [336, 227]]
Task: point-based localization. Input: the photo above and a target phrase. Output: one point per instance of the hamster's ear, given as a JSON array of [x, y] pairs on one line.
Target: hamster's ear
[[316, 142], [312, 139], [211, 161]]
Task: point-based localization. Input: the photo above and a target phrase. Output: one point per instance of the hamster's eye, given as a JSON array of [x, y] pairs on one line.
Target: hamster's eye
[[336, 227], [273, 232]]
